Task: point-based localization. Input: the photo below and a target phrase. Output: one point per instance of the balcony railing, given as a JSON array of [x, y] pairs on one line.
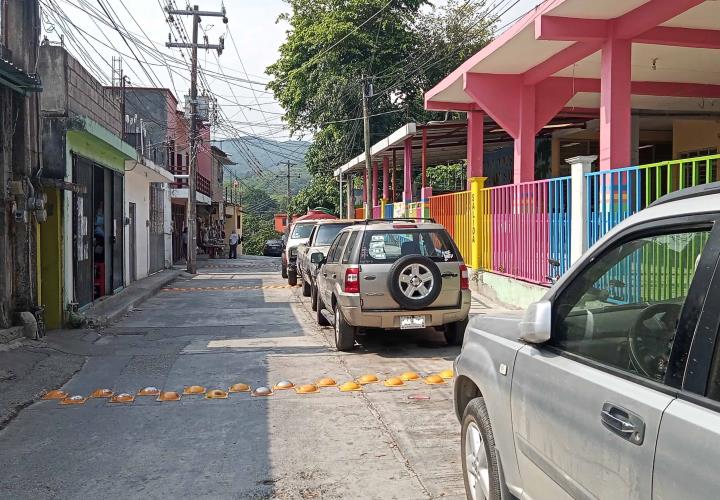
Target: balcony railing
[[202, 183]]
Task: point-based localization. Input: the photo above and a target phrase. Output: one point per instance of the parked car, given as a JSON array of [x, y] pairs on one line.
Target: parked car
[[392, 275], [298, 233], [320, 239], [273, 248], [610, 385]]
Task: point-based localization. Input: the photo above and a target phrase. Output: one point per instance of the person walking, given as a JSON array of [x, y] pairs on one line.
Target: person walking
[[233, 241], [184, 242]]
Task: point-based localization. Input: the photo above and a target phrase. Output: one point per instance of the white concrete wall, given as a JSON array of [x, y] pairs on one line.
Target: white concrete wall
[[167, 201], [137, 190]]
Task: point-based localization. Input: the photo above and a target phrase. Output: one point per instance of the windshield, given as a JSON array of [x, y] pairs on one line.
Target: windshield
[[388, 246], [301, 231], [327, 232]]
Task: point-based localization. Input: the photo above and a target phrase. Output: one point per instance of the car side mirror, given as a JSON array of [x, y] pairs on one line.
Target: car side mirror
[[535, 326], [317, 258]]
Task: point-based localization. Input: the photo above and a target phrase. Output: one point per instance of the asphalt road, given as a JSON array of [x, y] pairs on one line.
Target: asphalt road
[[237, 322]]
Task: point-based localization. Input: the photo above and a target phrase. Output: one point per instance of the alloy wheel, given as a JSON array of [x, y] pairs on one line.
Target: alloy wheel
[[416, 281], [476, 463]]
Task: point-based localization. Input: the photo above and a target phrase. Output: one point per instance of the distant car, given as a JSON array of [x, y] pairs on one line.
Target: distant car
[[273, 248], [320, 239], [610, 385], [397, 274], [299, 233]]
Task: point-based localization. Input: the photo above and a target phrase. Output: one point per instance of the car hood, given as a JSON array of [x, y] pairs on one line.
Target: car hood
[[505, 324]]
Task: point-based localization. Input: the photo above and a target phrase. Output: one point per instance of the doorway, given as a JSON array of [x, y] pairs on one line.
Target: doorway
[[133, 242]]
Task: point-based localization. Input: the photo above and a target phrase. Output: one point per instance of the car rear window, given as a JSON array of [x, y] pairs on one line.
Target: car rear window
[[327, 232], [388, 246], [302, 231]]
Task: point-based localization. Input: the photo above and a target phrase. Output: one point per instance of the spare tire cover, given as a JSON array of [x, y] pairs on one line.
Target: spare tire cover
[[414, 282]]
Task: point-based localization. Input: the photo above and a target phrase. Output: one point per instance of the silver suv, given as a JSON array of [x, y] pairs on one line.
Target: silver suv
[[610, 386], [298, 233], [399, 274]]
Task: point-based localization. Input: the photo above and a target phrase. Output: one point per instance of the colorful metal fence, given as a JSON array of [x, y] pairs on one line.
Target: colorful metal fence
[[453, 212]]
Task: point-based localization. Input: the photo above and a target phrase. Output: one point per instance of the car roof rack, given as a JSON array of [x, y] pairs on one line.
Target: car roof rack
[[687, 193], [401, 219]]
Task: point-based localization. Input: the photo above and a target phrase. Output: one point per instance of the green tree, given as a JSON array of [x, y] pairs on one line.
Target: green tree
[[319, 193], [445, 178], [257, 229]]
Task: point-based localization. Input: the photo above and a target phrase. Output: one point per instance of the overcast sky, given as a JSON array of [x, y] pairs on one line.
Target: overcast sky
[[252, 26]]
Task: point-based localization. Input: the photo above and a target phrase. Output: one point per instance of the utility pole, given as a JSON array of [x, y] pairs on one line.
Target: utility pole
[[367, 93], [192, 173], [289, 192]]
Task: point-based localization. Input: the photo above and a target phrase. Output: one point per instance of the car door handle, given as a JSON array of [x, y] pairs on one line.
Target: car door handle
[[623, 422], [369, 277]]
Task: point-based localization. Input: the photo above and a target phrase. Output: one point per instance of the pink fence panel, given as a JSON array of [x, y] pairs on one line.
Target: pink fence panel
[[521, 230], [377, 212]]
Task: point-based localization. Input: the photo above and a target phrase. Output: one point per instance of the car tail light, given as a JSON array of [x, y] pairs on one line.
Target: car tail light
[[464, 278], [352, 280], [404, 226]]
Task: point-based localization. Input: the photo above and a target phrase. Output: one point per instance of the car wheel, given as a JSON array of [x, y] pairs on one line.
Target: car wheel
[[313, 298], [479, 460], [344, 332], [283, 271], [321, 319], [414, 282], [292, 278], [306, 288], [455, 332]]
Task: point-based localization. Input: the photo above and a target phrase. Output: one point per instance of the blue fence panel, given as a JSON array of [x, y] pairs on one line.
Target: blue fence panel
[[559, 207]]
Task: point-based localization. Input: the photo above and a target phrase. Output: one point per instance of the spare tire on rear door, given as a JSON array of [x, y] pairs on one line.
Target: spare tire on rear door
[[414, 282]]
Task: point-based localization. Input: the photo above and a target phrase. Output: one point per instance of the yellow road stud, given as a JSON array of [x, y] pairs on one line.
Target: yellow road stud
[[239, 388], [283, 385], [434, 380], [262, 391], [73, 400], [56, 394], [169, 396], [408, 376], [368, 379], [446, 374], [149, 391], [307, 389], [102, 393], [193, 390], [350, 386], [326, 382], [122, 398], [216, 394], [393, 382]]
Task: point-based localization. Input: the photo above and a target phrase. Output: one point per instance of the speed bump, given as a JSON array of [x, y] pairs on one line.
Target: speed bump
[[122, 398], [56, 394], [368, 379], [194, 390], [73, 400], [326, 382], [393, 382], [102, 393], [307, 389], [262, 392], [434, 380], [239, 388], [169, 396], [149, 391], [283, 385], [350, 386], [408, 376], [216, 394], [446, 374]]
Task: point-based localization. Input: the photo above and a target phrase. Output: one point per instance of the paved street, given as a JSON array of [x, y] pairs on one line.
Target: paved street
[[236, 321]]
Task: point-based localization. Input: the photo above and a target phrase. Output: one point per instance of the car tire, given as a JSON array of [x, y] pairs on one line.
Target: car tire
[[306, 288], [455, 332], [292, 278], [478, 453], [321, 319], [396, 292], [283, 271], [344, 332], [313, 297]]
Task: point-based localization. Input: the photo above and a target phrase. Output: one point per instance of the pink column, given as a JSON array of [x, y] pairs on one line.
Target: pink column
[[423, 175], [407, 171], [385, 179], [475, 144], [525, 140], [375, 184], [615, 105]]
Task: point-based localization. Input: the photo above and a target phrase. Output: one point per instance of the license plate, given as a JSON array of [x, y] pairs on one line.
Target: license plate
[[412, 322]]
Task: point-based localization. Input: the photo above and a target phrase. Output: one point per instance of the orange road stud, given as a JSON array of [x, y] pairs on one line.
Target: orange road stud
[[239, 388], [102, 393], [194, 390], [122, 398], [149, 391], [56, 394], [262, 392], [393, 382], [283, 385], [307, 389], [73, 400], [169, 396], [367, 379], [350, 386], [216, 394], [326, 382], [434, 380], [409, 376], [446, 374]]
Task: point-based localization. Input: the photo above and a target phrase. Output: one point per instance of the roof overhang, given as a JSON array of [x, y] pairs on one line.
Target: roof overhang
[[18, 80], [396, 138], [674, 42], [146, 168]]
